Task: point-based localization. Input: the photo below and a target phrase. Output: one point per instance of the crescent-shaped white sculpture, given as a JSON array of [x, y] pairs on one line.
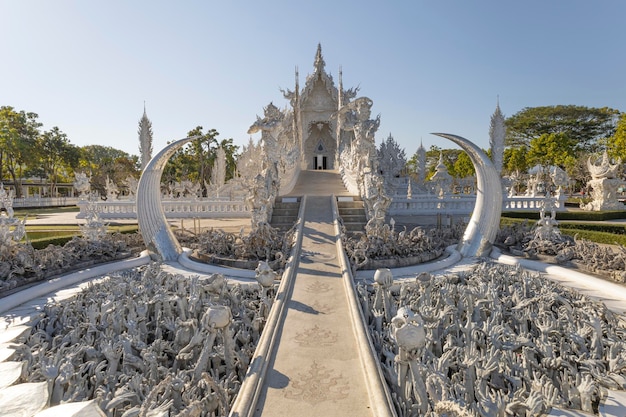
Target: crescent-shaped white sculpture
[[153, 225], [484, 224]]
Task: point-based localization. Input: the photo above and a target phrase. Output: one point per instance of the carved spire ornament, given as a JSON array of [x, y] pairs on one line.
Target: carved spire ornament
[[319, 60], [602, 167], [497, 131], [145, 138], [421, 164]]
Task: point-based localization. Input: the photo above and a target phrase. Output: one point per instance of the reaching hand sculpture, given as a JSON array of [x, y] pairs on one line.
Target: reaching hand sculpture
[[134, 354], [495, 340], [407, 329]]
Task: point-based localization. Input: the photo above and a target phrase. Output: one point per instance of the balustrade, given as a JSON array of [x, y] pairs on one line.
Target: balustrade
[[174, 209], [223, 207], [463, 204], [44, 201]]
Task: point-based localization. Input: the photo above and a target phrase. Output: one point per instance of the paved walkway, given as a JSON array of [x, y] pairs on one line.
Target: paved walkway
[[315, 368], [319, 183]]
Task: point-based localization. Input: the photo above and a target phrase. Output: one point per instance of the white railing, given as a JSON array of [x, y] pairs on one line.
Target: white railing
[[174, 209], [527, 203], [44, 201], [431, 204], [464, 204], [215, 208], [349, 180], [289, 178]]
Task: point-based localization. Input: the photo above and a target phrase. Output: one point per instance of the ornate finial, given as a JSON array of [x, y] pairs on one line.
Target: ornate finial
[[145, 138], [340, 90], [602, 167], [319, 60], [440, 164]]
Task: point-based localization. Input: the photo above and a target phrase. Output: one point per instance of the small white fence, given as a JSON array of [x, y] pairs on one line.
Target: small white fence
[[457, 204], [44, 201], [464, 204], [174, 209]]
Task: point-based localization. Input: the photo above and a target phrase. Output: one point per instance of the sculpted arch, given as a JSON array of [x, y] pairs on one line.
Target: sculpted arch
[[483, 226], [153, 225]]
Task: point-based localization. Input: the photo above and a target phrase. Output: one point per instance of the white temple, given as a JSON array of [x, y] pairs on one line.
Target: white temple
[[320, 135]]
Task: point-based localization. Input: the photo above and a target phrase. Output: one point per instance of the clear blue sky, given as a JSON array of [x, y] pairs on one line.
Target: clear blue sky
[[429, 66]]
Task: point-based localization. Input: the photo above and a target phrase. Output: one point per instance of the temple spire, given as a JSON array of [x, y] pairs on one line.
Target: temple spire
[[339, 106], [340, 92], [497, 133], [319, 59], [145, 138], [296, 113]]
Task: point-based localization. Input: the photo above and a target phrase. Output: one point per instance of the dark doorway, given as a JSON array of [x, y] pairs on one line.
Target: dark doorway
[[317, 165]]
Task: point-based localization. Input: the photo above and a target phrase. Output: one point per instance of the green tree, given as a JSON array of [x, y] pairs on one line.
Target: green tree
[[449, 157], [515, 159], [18, 134], [232, 152], [202, 151], [463, 166], [616, 145], [195, 161], [587, 126], [54, 153], [552, 149], [101, 162]]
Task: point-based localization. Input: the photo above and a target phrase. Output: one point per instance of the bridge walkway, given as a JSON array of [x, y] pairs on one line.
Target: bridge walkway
[[315, 368]]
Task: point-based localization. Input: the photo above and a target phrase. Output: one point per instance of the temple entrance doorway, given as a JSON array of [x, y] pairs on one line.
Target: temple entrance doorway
[[320, 147], [319, 162]]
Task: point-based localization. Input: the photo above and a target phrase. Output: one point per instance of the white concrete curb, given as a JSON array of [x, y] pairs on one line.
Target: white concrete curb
[[186, 262], [11, 301], [412, 271], [379, 395], [607, 291], [248, 396]]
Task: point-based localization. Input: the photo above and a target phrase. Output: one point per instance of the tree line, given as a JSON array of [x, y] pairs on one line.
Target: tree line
[[27, 151], [562, 135]]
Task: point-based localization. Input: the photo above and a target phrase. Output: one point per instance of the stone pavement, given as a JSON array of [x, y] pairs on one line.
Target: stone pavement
[[320, 183], [315, 368]]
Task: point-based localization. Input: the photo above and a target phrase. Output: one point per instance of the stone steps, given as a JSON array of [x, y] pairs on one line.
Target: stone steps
[[285, 213], [352, 212], [315, 366]]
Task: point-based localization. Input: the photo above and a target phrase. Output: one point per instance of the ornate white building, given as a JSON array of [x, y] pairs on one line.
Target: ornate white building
[[317, 130]]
